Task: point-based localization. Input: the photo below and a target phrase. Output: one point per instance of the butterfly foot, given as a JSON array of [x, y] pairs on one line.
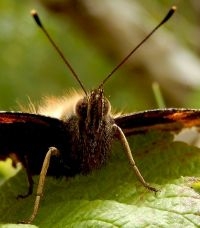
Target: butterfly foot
[[24, 222], [23, 196], [152, 189]]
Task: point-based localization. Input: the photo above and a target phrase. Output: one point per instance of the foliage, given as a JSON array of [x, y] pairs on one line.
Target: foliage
[[112, 196]]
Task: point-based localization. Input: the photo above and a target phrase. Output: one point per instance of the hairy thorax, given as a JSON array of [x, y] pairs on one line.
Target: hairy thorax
[[90, 148]]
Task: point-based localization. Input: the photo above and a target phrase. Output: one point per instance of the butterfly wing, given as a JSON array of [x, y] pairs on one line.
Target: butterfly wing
[[26, 138], [20, 117], [173, 119]]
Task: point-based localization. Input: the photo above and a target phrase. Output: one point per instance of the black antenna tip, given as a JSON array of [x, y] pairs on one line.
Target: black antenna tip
[[169, 14], [36, 17]]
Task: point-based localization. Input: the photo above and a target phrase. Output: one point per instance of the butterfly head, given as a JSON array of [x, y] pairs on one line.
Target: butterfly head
[[93, 108]]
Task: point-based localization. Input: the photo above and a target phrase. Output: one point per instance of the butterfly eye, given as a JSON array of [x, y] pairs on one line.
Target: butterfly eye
[[107, 107], [81, 108]]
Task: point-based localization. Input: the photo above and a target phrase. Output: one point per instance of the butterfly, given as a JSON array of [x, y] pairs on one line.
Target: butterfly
[[78, 138]]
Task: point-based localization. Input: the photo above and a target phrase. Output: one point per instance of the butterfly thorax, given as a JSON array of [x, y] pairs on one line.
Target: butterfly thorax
[[91, 132]]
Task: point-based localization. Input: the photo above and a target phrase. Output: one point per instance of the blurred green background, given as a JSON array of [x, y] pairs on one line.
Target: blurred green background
[[30, 67]]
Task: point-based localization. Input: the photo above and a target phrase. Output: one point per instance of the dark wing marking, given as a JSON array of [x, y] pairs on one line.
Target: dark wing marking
[[20, 117], [28, 136], [172, 119]]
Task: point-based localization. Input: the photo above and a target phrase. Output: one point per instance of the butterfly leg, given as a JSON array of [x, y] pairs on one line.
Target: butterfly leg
[[51, 152], [128, 152], [30, 180]]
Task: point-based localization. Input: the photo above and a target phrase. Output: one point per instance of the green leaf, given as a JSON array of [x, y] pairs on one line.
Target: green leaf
[[112, 196]]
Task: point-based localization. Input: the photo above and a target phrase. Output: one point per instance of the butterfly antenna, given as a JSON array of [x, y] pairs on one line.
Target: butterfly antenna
[[165, 19], [39, 23]]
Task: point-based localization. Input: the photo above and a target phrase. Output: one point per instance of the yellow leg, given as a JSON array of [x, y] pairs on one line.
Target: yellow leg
[[51, 152], [130, 158]]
